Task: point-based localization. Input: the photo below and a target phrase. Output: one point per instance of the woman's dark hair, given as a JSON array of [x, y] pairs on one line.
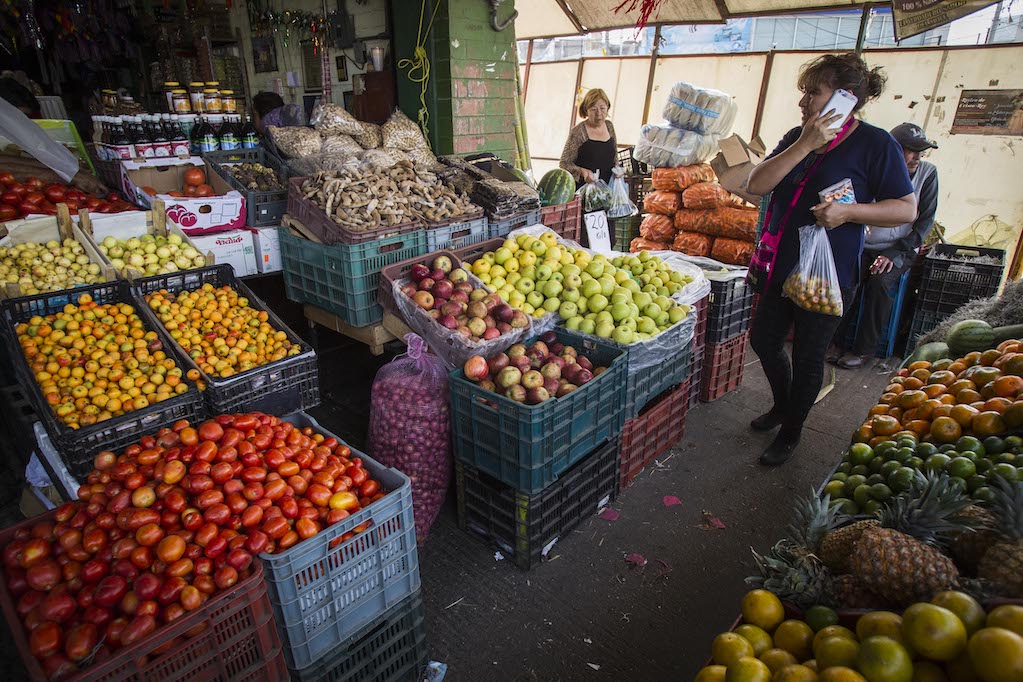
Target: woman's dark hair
[[19, 96], [846, 71], [265, 102]]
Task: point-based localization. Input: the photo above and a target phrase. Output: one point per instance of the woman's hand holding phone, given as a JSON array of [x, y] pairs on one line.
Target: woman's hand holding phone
[[818, 131]]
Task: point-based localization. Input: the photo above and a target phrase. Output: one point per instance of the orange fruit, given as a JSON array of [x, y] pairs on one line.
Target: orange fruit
[[921, 374], [957, 367], [877, 440], [926, 410], [946, 430], [963, 414], [912, 383], [999, 405], [888, 398], [943, 377], [919, 364], [1014, 364], [912, 398], [988, 424], [1008, 386], [863, 434], [988, 357], [935, 390], [959, 385], [968, 395], [947, 399], [878, 409], [884, 425], [1014, 415], [942, 410], [920, 427], [895, 413], [894, 388], [910, 415]]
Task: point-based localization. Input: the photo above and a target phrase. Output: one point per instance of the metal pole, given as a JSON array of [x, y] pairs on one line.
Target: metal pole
[[994, 24], [861, 37]]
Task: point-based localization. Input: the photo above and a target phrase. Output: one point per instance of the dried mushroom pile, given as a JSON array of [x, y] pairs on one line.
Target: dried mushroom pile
[[362, 200], [255, 176]]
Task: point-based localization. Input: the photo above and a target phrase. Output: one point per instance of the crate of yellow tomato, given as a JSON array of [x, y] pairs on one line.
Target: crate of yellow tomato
[[243, 356]]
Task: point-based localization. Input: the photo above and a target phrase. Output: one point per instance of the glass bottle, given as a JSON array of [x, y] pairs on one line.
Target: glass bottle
[[178, 139], [249, 136]]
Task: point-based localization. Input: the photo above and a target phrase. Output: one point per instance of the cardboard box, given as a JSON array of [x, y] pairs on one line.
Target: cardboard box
[[735, 161], [234, 248], [196, 215], [36, 501], [268, 249]]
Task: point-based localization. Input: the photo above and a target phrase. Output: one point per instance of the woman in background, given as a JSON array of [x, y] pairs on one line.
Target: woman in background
[[591, 146]]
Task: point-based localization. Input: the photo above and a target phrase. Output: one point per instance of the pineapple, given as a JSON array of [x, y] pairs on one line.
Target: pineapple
[[897, 557], [837, 547], [968, 548], [818, 526], [792, 573], [1002, 564], [847, 592]]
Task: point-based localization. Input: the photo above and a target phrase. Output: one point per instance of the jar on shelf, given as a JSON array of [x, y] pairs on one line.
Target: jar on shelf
[[168, 90], [228, 103], [180, 102], [109, 100], [211, 100], [195, 96]]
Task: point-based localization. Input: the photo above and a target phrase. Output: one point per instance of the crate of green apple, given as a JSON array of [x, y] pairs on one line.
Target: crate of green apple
[[456, 314]]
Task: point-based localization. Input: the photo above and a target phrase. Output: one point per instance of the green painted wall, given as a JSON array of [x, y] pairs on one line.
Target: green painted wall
[[471, 95]]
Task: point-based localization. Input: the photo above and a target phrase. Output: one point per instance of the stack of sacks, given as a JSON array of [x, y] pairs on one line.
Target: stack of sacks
[[695, 119], [691, 213]]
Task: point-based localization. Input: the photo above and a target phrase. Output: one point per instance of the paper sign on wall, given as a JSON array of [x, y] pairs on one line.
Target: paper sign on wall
[[598, 233]]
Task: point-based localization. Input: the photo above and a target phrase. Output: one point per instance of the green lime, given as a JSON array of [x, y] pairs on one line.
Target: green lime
[[969, 443], [1014, 443], [880, 492], [875, 478], [915, 463], [974, 482], [906, 442], [901, 479], [1019, 473], [925, 450], [993, 445], [839, 476], [961, 467], [888, 468], [859, 470], [984, 465], [848, 507], [957, 483], [844, 468], [902, 455], [970, 455], [854, 482], [947, 447], [820, 617], [835, 488], [860, 453], [1004, 458], [861, 495], [886, 448], [1006, 471], [984, 494], [872, 507], [936, 462], [875, 465]]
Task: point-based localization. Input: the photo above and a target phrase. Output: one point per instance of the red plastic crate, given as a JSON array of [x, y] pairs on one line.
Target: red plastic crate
[[646, 437], [700, 335], [240, 641], [722, 367], [564, 219]]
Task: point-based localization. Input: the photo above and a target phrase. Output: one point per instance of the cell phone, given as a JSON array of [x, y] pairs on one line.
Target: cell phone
[[842, 102]]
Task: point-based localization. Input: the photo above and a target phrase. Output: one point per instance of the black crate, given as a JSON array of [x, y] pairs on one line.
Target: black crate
[[923, 322], [526, 526], [951, 279], [632, 167], [263, 209], [79, 447], [729, 309], [390, 649], [280, 387]]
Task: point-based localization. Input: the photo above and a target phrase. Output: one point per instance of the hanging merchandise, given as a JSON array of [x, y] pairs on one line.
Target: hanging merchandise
[[418, 68]]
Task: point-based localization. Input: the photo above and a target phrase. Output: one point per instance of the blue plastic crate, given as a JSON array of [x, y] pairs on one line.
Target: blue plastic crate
[[528, 447], [343, 278], [324, 595], [457, 235], [886, 344], [501, 228], [646, 384]]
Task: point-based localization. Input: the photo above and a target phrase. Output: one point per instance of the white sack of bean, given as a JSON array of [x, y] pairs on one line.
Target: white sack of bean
[[371, 137], [295, 140], [401, 132], [334, 119], [340, 144]]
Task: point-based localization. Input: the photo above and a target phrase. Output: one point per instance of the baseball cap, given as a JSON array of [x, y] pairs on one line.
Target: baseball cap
[[912, 137]]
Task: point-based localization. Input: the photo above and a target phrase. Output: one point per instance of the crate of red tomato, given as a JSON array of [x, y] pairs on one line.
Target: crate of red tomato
[[33, 197]]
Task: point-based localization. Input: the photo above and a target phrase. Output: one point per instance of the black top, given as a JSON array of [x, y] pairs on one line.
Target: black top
[[597, 156]]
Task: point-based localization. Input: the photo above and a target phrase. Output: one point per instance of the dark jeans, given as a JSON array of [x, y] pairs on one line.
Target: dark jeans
[[795, 384], [878, 293]]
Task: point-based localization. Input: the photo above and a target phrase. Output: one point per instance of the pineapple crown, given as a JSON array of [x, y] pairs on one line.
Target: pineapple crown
[[791, 573], [1007, 507], [812, 519], [929, 510]]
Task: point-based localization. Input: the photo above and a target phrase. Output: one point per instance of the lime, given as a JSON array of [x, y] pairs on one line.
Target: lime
[[1005, 458], [970, 455], [847, 506], [839, 476], [859, 470], [961, 467], [835, 489], [984, 494], [906, 442], [915, 463], [984, 465], [925, 450], [875, 478], [844, 468], [993, 445], [936, 462], [819, 617], [969, 443], [872, 507], [1006, 471], [901, 479], [880, 492], [975, 481], [1014, 443], [903, 454], [947, 447], [886, 448], [860, 453], [888, 468], [854, 482], [875, 465], [861, 495]]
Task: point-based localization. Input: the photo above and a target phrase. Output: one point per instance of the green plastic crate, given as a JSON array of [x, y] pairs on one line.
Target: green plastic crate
[[625, 230], [529, 446], [343, 278]]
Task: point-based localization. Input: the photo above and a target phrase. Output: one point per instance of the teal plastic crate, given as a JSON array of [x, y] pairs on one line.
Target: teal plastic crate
[[529, 446], [501, 228], [456, 235], [343, 278], [646, 384]]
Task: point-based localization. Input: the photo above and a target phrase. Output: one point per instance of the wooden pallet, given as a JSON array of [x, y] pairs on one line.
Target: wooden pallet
[[375, 335]]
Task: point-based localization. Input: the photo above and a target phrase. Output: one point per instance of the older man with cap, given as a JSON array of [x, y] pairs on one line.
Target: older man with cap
[[889, 252]]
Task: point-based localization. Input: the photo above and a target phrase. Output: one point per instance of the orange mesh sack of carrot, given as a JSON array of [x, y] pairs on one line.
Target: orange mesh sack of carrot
[[641, 244], [693, 244], [677, 179], [732, 251], [733, 223], [706, 195], [658, 228], [662, 202]]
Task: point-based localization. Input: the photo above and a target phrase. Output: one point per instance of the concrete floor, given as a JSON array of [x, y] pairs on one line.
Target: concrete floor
[[586, 614]]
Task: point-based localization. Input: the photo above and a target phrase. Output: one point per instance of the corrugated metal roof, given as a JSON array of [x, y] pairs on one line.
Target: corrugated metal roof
[[546, 18]]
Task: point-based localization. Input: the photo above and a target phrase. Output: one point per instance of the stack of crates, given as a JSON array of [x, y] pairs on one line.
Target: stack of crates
[[952, 276], [729, 313], [527, 475]]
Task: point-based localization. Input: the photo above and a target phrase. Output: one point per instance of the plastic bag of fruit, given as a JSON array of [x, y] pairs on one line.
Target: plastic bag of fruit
[[813, 284], [454, 329], [410, 427]]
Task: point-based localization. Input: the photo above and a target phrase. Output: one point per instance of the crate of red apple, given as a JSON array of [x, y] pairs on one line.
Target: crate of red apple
[[454, 311]]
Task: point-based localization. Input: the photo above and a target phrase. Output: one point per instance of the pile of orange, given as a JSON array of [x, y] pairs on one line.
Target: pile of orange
[[219, 331], [94, 362], [980, 394]]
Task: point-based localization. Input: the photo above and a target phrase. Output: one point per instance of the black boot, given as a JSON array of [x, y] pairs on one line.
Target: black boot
[[768, 420], [783, 447]]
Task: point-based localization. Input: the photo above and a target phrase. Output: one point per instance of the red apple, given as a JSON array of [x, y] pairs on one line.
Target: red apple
[[509, 376], [458, 275], [565, 389], [438, 274], [419, 272], [477, 326], [448, 321], [491, 333], [504, 312], [476, 309], [551, 371], [476, 368], [521, 362], [548, 337], [453, 308], [551, 385], [497, 363], [585, 363], [460, 296], [438, 303], [424, 299], [488, 385], [519, 320], [536, 395], [426, 284], [583, 377], [467, 287], [443, 288], [492, 301], [516, 393], [532, 379], [464, 331], [442, 263], [516, 350], [409, 290], [503, 327]]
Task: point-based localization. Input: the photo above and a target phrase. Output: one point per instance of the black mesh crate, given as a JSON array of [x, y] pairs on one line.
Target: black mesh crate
[[279, 387], [526, 526], [729, 309], [263, 208], [954, 275], [79, 447], [923, 322], [632, 167]]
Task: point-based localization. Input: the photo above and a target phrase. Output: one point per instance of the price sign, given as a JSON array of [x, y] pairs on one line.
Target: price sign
[[598, 233]]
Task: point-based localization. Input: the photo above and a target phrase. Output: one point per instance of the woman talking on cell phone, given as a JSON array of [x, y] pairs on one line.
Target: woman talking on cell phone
[[826, 151]]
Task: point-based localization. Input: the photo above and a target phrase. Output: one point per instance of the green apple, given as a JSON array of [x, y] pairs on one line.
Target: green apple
[[484, 277], [516, 299], [525, 285], [552, 288], [663, 320], [619, 311], [646, 325], [574, 322], [497, 271], [527, 258], [650, 289], [664, 302], [596, 303], [675, 276], [543, 272], [512, 265], [645, 278], [557, 276], [552, 304], [588, 327], [503, 295], [590, 288], [623, 335], [513, 277], [617, 262], [622, 276], [657, 282], [567, 270], [662, 291], [534, 298], [539, 248], [640, 336], [607, 285], [633, 310], [637, 270], [605, 330], [489, 257], [674, 288], [583, 303], [644, 256], [570, 294], [651, 310], [675, 314], [591, 316], [527, 309], [632, 285], [574, 281], [605, 316], [595, 268], [502, 255], [642, 299], [629, 322], [529, 272], [568, 309], [497, 282]]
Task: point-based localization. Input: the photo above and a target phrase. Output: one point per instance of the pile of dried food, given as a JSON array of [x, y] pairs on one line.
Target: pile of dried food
[[255, 176], [362, 199]]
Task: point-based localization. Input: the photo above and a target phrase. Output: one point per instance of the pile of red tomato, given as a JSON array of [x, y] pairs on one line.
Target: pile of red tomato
[[33, 196], [172, 521]]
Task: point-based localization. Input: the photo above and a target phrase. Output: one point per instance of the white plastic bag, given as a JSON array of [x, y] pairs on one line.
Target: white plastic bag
[[334, 119], [664, 146], [701, 110], [813, 284], [596, 196], [621, 204]]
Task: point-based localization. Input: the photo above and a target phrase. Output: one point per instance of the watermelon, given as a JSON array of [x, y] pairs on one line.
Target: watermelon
[[556, 187], [523, 176], [971, 335]]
